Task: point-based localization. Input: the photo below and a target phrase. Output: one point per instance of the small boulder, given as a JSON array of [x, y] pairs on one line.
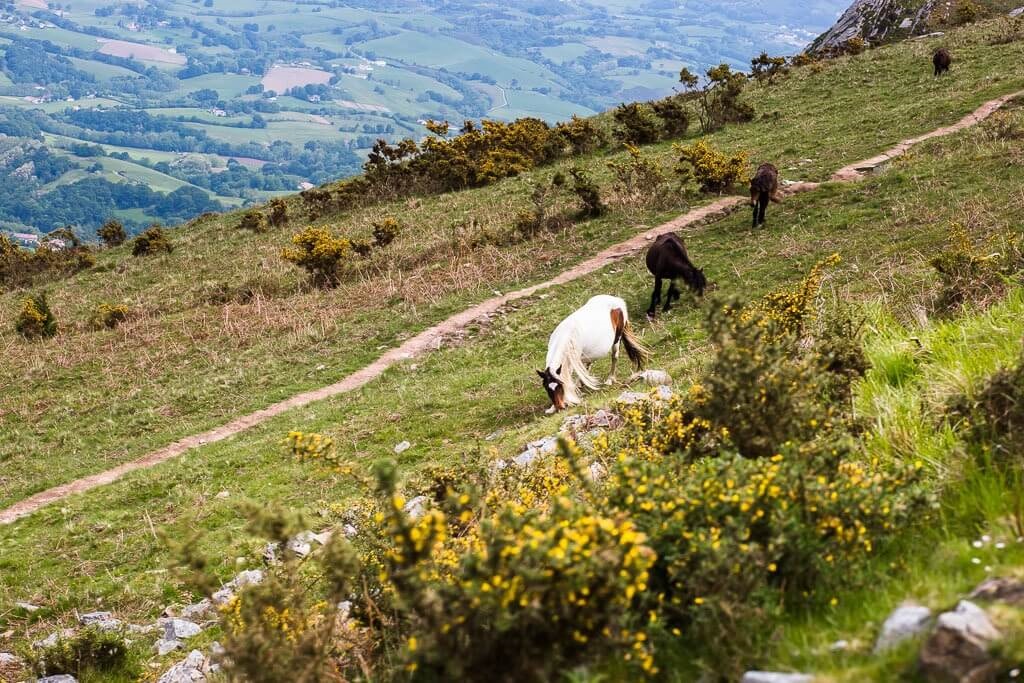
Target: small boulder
[[61, 678], [652, 378], [1017, 12], [402, 447], [417, 507], [631, 398], [958, 649], [536, 449], [51, 640], [193, 669], [775, 677], [175, 628], [7, 659], [27, 606], [905, 622], [1010, 591], [197, 610], [165, 646]]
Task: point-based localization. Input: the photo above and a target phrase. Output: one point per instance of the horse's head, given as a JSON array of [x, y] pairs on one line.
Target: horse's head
[[698, 282], [554, 387]]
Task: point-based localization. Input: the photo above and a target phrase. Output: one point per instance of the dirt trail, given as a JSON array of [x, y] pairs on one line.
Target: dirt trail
[[434, 337]]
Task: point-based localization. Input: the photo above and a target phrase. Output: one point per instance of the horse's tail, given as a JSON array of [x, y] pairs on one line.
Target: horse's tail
[[637, 352]]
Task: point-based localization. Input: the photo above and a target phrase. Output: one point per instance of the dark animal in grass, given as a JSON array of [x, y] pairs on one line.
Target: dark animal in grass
[[942, 61], [667, 259], [764, 188]]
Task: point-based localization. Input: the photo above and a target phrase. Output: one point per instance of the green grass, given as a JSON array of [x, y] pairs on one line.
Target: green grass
[[87, 400]]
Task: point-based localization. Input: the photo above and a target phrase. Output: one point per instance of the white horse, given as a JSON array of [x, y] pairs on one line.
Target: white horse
[[590, 333]]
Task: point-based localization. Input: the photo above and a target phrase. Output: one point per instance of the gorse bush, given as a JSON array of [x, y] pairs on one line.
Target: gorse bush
[[674, 115], [993, 419], [766, 69], [88, 651], [719, 100], [35, 320], [108, 316], [969, 276], [254, 221], [541, 216], [153, 241], [588, 193], [112, 233], [320, 254], [385, 231], [639, 180], [277, 212], [21, 267], [637, 124], [712, 170], [581, 135]]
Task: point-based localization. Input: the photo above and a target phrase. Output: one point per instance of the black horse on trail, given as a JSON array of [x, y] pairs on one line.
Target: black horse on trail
[[764, 188], [667, 259]]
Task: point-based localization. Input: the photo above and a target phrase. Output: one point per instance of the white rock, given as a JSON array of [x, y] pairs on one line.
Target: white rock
[[165, 646], [197, 610], [651, 377], [402, 447], [905, 622], [62, 678], [417, 507], [1017, 12], [350, 531], [664, 393], [193, 669], [27, 606], [631, 398], [7, 659], [223, 494], [596, 471], [178, 628], [959, 648], [839, 646], [51, 640], [301, 544], [775, 677], [970, 620]]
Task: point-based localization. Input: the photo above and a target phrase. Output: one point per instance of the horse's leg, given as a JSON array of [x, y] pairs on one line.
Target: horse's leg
[[615, 362], [756, 204], [655, 298], [763, 207], [673, 295]]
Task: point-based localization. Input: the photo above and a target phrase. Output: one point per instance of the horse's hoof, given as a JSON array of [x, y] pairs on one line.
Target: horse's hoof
[[550, 411]]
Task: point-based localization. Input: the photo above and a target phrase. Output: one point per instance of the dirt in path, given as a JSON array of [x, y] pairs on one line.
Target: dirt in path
[[433, 338]]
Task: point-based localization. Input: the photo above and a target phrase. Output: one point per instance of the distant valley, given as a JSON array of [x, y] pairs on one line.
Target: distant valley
[[159, 111]]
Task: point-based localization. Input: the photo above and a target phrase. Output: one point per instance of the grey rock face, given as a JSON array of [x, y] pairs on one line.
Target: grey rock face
[[1009, 591], [175, 628], [904, 623], [875, 21], [958, 649], [193, 669]]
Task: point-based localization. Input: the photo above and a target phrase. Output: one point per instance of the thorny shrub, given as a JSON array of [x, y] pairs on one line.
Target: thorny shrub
[[969, 276], [766, 69], [719, 99], [639, 180], [385, 231], [35, 319], [320, 254], [674, 115], [581, 135], [108, 316], [153, 241], [88, 651], [277, 212], [523, 574], [542, 215], [254, 221], [637, 124], [712, 170], [588, 193], [993, 419], [21, 267], [112, 233]]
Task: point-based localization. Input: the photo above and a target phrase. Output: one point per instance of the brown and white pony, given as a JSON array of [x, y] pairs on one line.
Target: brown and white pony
[[764, 188], [667, 260], [592, 332]]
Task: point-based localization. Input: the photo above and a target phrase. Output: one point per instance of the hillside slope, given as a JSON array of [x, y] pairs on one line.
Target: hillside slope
[[86, 400]]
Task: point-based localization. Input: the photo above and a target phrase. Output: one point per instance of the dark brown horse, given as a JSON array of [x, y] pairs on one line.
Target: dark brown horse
[[764, 188], [667, 259], [942, 61]]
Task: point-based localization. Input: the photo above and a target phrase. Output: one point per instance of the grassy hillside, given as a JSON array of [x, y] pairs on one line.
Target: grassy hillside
[[86, 400]]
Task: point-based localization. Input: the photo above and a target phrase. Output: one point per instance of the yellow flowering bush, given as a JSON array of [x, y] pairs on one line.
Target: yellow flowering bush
[[320, 254], [712, 170], [108, 316], [639, 180], [35, 319], [972, 275], [153, 241], [254, 221]]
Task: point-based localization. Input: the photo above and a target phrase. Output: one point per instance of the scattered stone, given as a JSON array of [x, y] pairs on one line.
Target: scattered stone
[[775, 677], [223, 494], [596, 471], [247, 578], [51, 640], [350, 531], [1010, 591], [62, 678], [904, 623], [193, 669], [27, 606], [494, 435], [178, 628], [94, 618], [664, 393], [197, 610], [402, 447], [536, 449], [165, 646], [269, 556], [417, 507], [1017, 12], [631, 398], [301, 544], [839, 646], [7, 659], [653, 378], [958, 649]]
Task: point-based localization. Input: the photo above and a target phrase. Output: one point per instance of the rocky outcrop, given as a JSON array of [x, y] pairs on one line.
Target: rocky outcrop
[[875, 21], [958, 649]]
